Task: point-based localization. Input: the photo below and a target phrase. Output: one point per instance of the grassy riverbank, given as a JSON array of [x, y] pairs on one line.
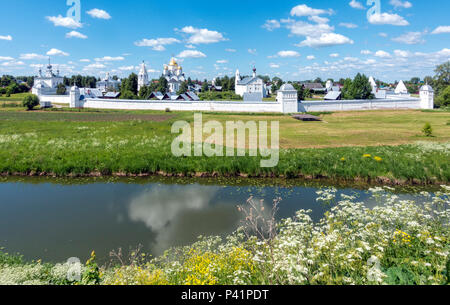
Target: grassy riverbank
[[383, 146], [398, 242]]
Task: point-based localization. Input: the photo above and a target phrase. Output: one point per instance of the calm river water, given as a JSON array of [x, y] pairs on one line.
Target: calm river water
[[54, 220]]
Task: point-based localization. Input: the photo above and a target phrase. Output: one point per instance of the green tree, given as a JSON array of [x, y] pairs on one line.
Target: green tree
[[205, 86], [30, 101], [443, 99], [144, 93], [415, 80], [128, 95], [61, 89], [347, 90], [13, 88], [183, 88], [358, 89], [163, 85], [442, 77]]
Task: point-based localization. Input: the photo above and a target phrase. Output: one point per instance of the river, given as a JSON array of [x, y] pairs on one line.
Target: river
[[56, 219]]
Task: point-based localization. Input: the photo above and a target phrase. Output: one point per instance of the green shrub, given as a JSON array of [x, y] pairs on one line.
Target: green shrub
[[427, 130], [30, 101]]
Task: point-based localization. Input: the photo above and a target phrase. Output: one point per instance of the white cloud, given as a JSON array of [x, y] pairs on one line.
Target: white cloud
[[301, 28], [325, 40], [190, 46], [65, 22], [202, 36], [348, 25], [75, 34], [366, 52], [386, 18], [32, 56], [382, 54], [401, 53], [410, 38], [441, 30], [304, 10], [157, 44], [334, 55], [13, 64], [127, 68], [318, 19], [356, 4], [310, 57], [36, 66], [271, 25], [94, 66], [274, 66], [285, 54], [252, 51], [230, 50], [222, 61], [191, 54], [383, 35], [4, 58], [8, 37], [85, 60], [56, 52], [443, 53], [109, 58], [400, 4], [100, 14]]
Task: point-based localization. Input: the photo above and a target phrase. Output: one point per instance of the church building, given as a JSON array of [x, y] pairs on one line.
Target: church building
[[174, 75], [108, 84], [143, 77], [250, 85], [47, 84]]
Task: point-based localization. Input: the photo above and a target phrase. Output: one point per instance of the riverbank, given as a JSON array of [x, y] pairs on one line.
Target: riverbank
[[418, 164], [375, 147], [397, 242]]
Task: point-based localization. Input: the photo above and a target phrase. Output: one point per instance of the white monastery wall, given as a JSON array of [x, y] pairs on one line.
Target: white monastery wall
[[222, 106], [353, 105], [55, 99]]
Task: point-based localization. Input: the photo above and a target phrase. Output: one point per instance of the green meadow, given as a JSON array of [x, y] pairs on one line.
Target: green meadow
[[374, 146]]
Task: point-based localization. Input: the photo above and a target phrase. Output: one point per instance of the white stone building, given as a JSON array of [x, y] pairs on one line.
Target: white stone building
[[108, 84], [47, 84], [401, 88], [143, 77], [251, 85], [174, 75]]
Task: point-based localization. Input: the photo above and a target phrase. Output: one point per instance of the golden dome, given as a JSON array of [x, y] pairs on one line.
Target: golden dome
[[179, 67], [173, 62]]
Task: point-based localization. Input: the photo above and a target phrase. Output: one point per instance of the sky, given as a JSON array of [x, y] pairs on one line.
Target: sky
[[294, 40]]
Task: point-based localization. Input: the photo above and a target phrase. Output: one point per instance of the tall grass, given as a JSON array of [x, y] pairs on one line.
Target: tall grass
[[77, 144]]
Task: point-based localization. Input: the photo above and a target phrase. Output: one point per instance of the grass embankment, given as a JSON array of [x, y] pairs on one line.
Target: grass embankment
[[368, 146], [398, 242]]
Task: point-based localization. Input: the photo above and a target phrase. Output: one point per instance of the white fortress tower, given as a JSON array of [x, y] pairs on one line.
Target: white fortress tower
[[426, 97], [75, 97], [142, 77], [288, 98]]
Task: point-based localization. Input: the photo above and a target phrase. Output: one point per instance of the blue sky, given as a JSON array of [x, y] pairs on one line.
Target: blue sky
[[295, 40]]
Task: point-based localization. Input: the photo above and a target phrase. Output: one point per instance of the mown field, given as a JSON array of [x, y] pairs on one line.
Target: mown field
[[382, 146]]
